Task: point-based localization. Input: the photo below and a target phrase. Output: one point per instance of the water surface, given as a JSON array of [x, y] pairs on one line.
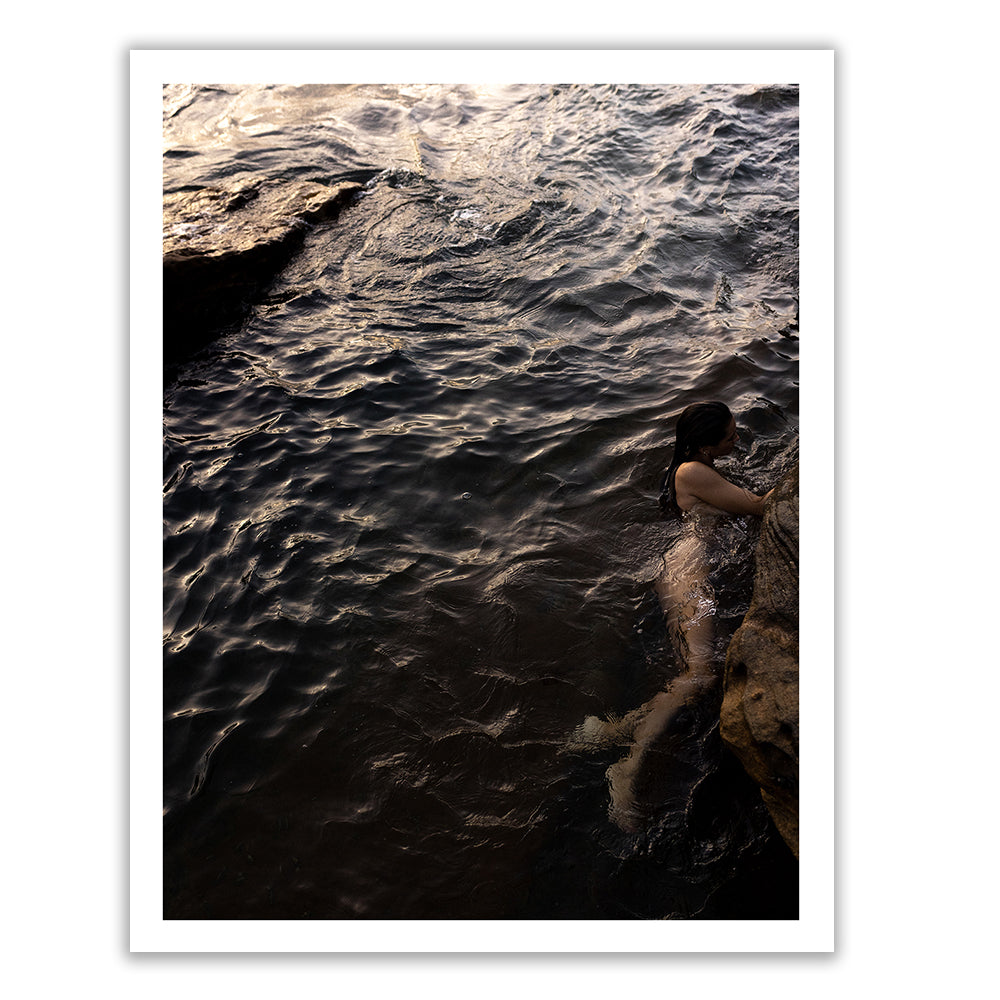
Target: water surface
[[410, 518]]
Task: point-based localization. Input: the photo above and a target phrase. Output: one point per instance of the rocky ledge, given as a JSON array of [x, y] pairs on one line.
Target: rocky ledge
[[220, 248], [760, 707]]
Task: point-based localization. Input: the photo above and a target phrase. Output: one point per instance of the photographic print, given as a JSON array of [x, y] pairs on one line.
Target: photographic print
[[480, 434]]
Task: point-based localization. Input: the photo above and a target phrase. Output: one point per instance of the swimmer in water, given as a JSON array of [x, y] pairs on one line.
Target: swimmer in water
[[705, 432], [694, 490]]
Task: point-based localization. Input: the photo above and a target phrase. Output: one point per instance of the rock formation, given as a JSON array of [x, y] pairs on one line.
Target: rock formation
[[760, 708], [220, 248]]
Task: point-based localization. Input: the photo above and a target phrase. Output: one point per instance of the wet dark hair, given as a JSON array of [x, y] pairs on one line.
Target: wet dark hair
[[699, 425]]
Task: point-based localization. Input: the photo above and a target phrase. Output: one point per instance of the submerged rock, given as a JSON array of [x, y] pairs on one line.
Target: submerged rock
[[221, 247], [760, 708]]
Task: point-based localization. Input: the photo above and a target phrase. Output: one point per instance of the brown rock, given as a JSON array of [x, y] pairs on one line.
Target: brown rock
[[760, 708], [221, 247]]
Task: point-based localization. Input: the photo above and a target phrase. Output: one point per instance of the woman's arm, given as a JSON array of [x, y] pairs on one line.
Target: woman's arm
[[704, 483]]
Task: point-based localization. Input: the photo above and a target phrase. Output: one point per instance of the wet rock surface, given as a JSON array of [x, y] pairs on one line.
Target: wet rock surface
[[760, 708], [222, 247]]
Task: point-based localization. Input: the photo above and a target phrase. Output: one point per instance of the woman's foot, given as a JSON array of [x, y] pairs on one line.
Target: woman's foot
[[624, 810], [596, 734]]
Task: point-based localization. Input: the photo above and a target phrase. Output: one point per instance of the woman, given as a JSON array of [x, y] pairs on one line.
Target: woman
[[694, 490], [705, 432]]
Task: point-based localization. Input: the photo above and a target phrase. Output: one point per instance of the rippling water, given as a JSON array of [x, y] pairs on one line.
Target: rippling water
[[410, 518]]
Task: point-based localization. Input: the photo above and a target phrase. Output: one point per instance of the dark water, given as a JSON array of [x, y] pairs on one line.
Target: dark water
[[410, 518]]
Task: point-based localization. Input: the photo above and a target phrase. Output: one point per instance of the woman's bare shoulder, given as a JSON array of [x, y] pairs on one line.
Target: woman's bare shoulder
[[701, 482], [692, 473]]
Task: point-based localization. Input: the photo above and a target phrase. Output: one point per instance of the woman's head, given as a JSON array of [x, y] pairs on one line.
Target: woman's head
[[704, 427]]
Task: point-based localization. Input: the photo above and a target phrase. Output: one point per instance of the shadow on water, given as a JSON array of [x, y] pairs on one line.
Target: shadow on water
[[713, 853]]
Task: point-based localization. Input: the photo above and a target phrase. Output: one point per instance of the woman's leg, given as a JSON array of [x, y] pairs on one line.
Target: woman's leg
[[690, 608]]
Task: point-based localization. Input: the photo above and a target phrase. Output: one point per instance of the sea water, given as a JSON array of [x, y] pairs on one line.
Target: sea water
[[410, 517]]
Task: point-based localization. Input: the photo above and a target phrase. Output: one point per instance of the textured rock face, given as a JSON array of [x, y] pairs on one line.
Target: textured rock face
[[760, 708], [221, 247]]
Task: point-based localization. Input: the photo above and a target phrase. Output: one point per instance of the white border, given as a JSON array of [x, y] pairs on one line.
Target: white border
[[813, 71]]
